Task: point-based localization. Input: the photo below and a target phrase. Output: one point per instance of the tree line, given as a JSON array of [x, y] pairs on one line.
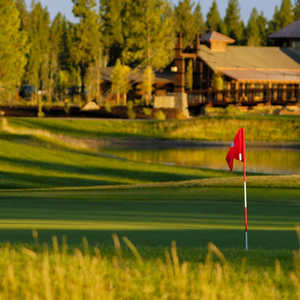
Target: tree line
[[53, 55]]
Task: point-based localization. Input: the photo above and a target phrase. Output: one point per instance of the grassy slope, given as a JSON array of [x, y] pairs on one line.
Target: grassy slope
[[258, 129], [56, 189], [83, 194], [27, 161], [163, 203]]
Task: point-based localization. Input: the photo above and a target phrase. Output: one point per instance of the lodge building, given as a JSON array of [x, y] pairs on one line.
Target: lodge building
[[226, 74], [223, 73]]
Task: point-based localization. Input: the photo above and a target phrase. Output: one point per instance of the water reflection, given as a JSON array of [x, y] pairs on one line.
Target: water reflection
[[263, 160]]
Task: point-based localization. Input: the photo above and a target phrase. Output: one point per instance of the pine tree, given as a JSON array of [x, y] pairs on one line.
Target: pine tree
[[286, 13], [22, 8], [150, 40], [262, 25], [185, 21], [112, 14], [66, 46], [274, 24], [86, 37], [38, 57], [253, 30], [282, 17], [297, 10], [120, 80], [213, 18], [55, 43], [198, 17], [233, 24], [146, 86], [12, 46]]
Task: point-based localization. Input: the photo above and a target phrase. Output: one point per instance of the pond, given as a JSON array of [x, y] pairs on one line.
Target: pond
[[268, 160]]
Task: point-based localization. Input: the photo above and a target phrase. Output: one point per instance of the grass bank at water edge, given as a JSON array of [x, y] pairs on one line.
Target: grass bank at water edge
[[273, 129]]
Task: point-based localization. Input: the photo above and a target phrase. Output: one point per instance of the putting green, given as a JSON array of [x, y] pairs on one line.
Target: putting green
[[154, 216]]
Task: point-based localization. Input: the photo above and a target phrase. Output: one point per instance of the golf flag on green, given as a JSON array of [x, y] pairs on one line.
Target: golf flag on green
[[237, 151]]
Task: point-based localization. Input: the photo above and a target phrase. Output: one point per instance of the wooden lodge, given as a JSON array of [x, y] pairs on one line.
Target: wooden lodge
[[226, 74]]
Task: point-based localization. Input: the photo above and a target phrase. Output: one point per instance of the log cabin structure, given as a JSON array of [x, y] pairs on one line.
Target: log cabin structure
[[226, 74]]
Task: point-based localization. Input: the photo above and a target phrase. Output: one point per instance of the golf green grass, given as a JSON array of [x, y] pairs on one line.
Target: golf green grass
[[154, 217], [62, 205], [61, 189]]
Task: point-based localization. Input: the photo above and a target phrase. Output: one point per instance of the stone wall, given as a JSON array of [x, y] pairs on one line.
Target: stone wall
[[174, 100]]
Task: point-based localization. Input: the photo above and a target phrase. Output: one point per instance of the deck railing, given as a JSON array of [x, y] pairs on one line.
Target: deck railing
[[248, 97]]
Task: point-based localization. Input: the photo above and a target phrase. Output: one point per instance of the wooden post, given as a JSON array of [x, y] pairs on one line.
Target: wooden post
[[269, 94], [284, 93], [237, 96], [293, 92], [180, 64], [196, 62]]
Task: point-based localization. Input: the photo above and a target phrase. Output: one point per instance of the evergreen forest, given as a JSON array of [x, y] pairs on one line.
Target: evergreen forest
[[53, 56]]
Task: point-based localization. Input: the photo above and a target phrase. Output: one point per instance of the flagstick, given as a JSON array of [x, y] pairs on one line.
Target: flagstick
[[246, 225], [245, 196]]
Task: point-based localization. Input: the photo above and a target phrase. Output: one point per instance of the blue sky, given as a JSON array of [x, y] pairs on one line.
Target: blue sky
[[267, 6]]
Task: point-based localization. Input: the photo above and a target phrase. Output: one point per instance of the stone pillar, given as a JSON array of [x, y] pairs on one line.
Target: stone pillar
[[182, 103]]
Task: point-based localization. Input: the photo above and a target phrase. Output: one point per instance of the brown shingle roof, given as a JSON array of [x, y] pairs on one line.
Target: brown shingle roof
[[251, 58], [254, 63], [291, 31], [264, 75], [216, 36]]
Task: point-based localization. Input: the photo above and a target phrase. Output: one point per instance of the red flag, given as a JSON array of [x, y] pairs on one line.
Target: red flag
[[237, 149]]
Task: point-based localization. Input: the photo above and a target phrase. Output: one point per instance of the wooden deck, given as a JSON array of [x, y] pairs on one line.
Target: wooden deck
[[246, 97]]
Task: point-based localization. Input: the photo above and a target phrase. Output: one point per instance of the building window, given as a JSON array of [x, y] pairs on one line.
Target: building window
[[289, 91], [257, 90]]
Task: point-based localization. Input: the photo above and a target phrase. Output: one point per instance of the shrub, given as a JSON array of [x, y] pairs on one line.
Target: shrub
[[214, 111], [108, 106], [232, 110], [159, 115], [67, 106], [40, 110], [131, 114], [147, 111], [130, 105]]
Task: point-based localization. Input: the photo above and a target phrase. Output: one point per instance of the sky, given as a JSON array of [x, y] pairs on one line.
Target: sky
[[267, 6]]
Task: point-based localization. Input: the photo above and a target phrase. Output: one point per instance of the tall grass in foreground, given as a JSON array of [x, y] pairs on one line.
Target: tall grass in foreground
[[28, 273]]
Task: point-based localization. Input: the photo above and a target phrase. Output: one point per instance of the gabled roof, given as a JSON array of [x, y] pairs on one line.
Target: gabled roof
[[251, 58], [291, 31], [254, 63], [216, 36], [286, 76]]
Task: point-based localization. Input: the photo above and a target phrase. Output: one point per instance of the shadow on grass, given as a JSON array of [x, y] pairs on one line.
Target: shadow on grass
[[224, 239], [11, 180], [130, 175]]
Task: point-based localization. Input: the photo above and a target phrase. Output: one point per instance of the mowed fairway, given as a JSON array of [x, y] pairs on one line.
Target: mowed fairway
[[76, 223], [153, 217], [63, 187]]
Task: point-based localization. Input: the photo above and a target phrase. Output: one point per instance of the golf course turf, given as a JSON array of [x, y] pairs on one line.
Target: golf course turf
[[57, 197]]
